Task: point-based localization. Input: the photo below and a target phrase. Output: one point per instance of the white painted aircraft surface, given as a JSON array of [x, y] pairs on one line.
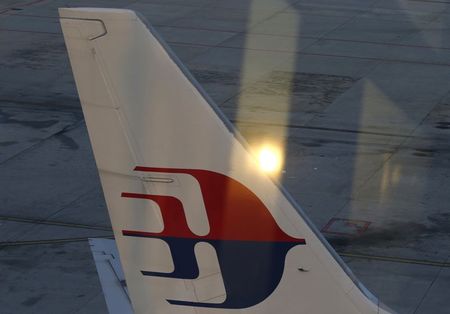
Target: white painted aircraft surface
[[199, 224]]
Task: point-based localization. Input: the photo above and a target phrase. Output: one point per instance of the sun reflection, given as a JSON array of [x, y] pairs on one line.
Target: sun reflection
[[259, 106], [270, 159]]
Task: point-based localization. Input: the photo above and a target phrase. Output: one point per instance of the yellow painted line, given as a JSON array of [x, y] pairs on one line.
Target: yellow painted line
[[51, 241], [396, 259], [53, 223], [343, 254]]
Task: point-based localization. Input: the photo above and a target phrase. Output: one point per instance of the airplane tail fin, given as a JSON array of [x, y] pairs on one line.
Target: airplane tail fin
[[199, 226]]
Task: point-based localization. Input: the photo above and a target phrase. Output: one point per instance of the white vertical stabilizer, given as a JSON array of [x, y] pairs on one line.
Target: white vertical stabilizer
[[199, 227]]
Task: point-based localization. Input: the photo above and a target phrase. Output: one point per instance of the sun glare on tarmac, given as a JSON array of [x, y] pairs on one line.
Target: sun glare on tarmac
[[269, 159]]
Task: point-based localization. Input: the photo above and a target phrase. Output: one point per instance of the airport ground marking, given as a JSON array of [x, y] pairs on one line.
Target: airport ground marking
[[53, 223]]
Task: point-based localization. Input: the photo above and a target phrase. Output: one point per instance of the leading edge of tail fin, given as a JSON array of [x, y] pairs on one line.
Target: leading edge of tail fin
[[199, 226]]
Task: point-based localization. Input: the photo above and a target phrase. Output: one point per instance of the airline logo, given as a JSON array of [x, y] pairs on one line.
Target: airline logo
[[251, 248]]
